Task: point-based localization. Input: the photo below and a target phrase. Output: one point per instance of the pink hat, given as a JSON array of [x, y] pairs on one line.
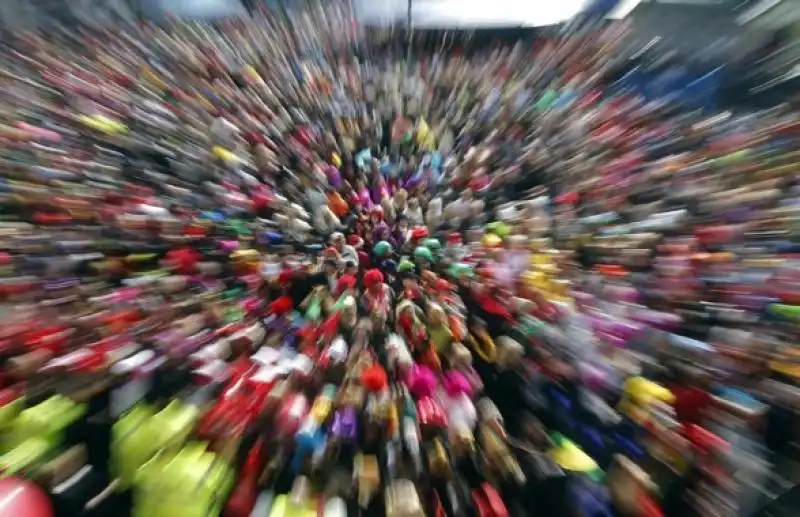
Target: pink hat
[[455, 383], [421, 381]]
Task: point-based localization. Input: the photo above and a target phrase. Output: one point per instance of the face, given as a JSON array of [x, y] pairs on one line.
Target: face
[[330, 269]]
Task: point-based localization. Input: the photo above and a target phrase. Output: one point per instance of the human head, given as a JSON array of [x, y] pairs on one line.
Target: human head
[[331, 267], [337, 240]]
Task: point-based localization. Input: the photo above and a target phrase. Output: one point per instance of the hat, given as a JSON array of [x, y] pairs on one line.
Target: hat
[[335, 236], [498, 228], [382, 248], [345, 282], [285, 276], [491, 240], [372, 278], [419, 232], [405, 266], [432, 244], [455, 238], [421, 252], [374, 378], [460, 269]]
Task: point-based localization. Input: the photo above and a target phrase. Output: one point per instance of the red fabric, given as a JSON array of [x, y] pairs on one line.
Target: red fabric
[[690, 403], [493, 306], [331, 327], [282, 305], [186, 259]]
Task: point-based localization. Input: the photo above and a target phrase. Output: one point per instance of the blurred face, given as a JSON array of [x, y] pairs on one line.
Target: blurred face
[[330, 269]]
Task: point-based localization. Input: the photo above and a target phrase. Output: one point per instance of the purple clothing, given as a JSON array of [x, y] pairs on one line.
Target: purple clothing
[[381, 232], [334, 177]]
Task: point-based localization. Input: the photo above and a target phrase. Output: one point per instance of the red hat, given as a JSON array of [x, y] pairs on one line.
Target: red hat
[[353, 239], [443, 285], [281, 306], [570, 198], [419, 232], [485, 272], [374, 378], [344, 283], [285, 276], [372, 278], [455, 238]]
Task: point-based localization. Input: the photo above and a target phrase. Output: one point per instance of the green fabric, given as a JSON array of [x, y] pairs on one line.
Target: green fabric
[[732, 158], [314, 311], [234, 293], [339, 305], [440, 337], [546, 100]]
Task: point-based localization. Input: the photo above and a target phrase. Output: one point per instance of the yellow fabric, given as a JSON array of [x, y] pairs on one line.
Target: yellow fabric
[[790, 369], [570, 457], [103, 124], [424, 134], [336, 159], [147, 75], [252, 74], [246, 254], [283, 507]]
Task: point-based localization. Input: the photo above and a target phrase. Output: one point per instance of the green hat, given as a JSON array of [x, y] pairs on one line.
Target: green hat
[[421, 252], [432, 244], [405, 266], [498, 228], [382, 248], [460, 269]]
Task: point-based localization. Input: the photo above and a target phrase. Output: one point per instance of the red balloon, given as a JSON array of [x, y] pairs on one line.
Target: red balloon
[[21, 498]]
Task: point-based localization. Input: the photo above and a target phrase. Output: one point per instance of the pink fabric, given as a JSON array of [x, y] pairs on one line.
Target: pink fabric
[[40, 133]]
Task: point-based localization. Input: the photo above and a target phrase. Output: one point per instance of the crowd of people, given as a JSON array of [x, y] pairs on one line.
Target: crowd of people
[[481, 283]]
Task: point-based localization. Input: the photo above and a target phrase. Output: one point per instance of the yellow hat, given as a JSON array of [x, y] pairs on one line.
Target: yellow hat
[[646, 391], [224, 155], [491, 240], [570, 457]]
